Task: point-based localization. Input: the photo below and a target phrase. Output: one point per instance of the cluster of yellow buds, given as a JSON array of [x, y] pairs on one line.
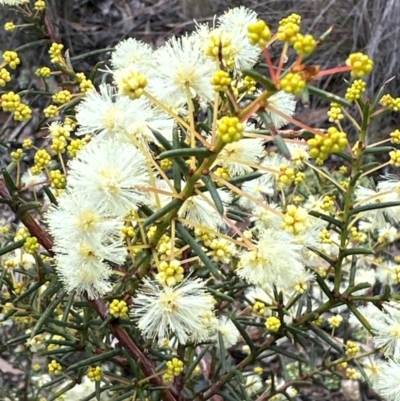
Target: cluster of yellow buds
[[42, 159], [170, 273], [360, 64], [39, 5], [273, 323], [85, 84], [299, 177], [58, 179], [43, 72], [321, 147], [131, 84], [357, 236], [222, 172], [288, 30], [62, 97], [259, 308], [286, 174], [219, 44], [94, 374], [54, 368], [55, 52], [292, 18], [118, 308], [395, 136], [17, 154], [11, 101], [128, 231], [174, 368], [204, 235], [304, 44], [353, 374], [293, 83], [356, 89], [76, 145], [335, 113], [230, 129], [221, 80], [9, 26], [31, 245], [11, 58], [395, 157], [295, 219], [4, 77], [335, 321], [222, 250], [22, 233], [250, 84], [51, 111], [22, 112], [351, 348], [328, 203], [166, 164], [390, 102], [259, 33], [325, 237]]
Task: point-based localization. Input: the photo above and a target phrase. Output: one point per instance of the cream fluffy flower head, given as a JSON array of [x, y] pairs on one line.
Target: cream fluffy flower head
[[200, 209], [183, 310], [229, 333], [132, 53], [267, 264], [111, 175], [181, 66], [82, 267], [76, 218], [237, 156], [108, 115], [386, 329], [283, 102], [388, 384]]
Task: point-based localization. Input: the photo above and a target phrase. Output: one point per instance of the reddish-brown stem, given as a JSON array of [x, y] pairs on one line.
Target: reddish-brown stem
[[332, 71], [127, 343], [270, 65], [99, 305], [50, 28]]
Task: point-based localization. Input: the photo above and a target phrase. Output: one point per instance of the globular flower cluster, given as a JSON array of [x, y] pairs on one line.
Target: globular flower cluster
[[55, 52], [170, 273], [11, 58], [221, 80], [230, 129], [119, 308], [4, 77], [360, 64], [131, 84], [356, 90], [293, 83], [390, 102], [288, 31], [61, 97], [94, 374], [335, 113], [174, 368], [259, 33], [321, 147], [11, 101], [304, 44]]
